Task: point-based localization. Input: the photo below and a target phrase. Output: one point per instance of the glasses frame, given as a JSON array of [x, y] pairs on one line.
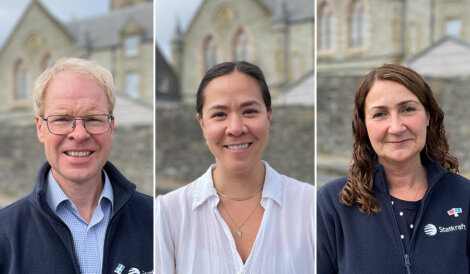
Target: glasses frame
[[74, 123]]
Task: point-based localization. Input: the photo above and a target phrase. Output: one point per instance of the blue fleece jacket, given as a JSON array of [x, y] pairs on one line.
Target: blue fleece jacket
[[34, 240], [353, 242]]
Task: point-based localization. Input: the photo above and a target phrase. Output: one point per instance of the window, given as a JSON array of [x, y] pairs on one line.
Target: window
[[453, 27], [132, 84], [210, 53], [325, 27], [163, 85], [131, 45], [46, 62], [295, 66], [357, 24], [412, 39], [21, 81], [241, 47]]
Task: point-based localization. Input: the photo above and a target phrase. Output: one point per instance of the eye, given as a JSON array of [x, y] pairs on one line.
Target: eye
[[250, 111], [379, 115], [218, 115], [409, 109]]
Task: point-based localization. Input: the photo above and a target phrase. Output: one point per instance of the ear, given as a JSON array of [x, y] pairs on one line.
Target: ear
[[40, 124], [111, 130], [201, 123], [427, 119], [270, 112]]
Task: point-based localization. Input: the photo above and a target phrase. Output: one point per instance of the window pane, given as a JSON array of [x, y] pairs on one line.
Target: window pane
[[131, 45], [453, 27], [132, 85]]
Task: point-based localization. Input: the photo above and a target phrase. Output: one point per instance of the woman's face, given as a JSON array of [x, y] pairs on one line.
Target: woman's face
[[235, 122], [396, 122]]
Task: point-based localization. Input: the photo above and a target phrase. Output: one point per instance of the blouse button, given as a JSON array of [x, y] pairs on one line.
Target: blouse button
[[401, 213], [411, 226], [401, 236]]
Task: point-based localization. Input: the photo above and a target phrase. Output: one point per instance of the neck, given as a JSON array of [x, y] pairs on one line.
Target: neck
[[84, 195], [241, 184], [406, 181]]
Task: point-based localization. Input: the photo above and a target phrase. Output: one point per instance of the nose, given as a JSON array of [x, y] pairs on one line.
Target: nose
[[235, 126], [396, 125], [79, 132]]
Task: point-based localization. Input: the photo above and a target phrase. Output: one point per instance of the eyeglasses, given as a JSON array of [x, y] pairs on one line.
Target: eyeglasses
[[65, 124]]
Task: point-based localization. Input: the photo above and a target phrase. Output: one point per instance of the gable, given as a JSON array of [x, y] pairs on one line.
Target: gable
[[35, 20], [448, 57]]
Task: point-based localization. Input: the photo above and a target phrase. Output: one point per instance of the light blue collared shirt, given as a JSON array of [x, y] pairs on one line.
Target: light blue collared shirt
[[88, 238]]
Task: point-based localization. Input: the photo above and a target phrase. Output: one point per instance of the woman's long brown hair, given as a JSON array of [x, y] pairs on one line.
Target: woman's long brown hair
[[358, 189]]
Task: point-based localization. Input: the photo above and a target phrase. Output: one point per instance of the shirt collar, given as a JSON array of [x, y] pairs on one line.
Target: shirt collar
[[55, 195], [205, 190]]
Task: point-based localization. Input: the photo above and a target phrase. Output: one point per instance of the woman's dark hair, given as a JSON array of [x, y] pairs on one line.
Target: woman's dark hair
[[227, 68], [358, 189]]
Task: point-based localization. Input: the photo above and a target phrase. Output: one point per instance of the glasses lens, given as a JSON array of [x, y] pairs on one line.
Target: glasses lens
[[98, 124], [60, 124]]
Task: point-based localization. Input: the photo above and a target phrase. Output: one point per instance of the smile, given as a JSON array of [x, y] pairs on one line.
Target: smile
[[238, 147], [78, 153], [399, 142]]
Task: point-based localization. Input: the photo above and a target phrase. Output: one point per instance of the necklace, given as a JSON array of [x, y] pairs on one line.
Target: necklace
[[416, 195], [240, 199], [239, 229]]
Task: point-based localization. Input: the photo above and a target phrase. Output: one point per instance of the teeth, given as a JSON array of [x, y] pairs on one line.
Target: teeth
[[78, 153], [238, 147]]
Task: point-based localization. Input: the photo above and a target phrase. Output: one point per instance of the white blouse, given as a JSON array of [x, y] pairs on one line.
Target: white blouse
[[192, 237]]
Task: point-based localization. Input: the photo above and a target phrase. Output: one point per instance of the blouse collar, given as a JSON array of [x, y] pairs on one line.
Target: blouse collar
[[205, 190]]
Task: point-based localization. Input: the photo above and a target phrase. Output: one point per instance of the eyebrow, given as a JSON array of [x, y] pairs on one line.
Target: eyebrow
[[244, 104], [399, 104]]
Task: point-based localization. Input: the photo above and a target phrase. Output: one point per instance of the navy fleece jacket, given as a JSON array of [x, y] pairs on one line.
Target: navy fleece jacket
[[352, 242], [34, 240]]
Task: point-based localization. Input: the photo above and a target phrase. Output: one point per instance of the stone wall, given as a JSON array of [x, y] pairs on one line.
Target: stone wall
[[21, 155], [182, 154], [335, 96]]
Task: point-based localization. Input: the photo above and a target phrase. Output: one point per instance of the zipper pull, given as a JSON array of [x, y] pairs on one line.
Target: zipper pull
[[407, 264]]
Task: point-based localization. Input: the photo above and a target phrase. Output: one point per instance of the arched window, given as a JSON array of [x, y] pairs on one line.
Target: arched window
[[357, 24], [21, 81], [325, 27], [210, 53], [46, 61], [241, 49]]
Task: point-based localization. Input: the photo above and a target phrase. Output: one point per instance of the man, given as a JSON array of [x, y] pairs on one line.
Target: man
[[83, 216]]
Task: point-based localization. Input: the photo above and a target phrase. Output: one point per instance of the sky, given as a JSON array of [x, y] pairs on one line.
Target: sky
[[64, 10], [166, 14]]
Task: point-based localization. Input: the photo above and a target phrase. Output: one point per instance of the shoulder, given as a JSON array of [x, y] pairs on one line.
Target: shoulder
[[15, 212], [332, 187], [182, 196], [142, 200], [291, 186]]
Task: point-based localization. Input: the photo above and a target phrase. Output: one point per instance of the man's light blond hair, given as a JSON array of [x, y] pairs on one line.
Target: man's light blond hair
[[80, 67]]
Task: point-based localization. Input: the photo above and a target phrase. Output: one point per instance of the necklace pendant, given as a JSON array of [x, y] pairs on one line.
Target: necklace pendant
[[239, 233]]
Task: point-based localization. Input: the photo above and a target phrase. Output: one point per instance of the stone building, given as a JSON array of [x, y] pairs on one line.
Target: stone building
[[277, 35], [121, 41], [166, 81], [357, 35]]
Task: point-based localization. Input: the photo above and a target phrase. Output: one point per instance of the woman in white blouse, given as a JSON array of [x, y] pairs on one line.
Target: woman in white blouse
[[241, 216]]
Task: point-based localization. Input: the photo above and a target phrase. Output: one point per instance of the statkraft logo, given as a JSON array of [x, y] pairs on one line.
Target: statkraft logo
[[432, 230]]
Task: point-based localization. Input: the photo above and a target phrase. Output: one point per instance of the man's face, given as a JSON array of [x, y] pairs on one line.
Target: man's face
[[77, 157]]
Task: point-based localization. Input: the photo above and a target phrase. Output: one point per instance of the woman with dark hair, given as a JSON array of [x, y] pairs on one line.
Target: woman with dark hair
[[402, 208], [241, 216]]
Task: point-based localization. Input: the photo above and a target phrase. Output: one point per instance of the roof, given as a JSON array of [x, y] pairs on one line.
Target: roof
[[105, 30], [296, 10]]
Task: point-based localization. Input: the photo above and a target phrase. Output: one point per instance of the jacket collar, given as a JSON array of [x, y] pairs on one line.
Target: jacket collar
[[434, 172], [123, 189], [205, 190]]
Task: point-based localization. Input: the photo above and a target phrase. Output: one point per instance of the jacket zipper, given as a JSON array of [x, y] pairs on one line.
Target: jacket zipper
[[48, 211], [418, 221], [405, 255]]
